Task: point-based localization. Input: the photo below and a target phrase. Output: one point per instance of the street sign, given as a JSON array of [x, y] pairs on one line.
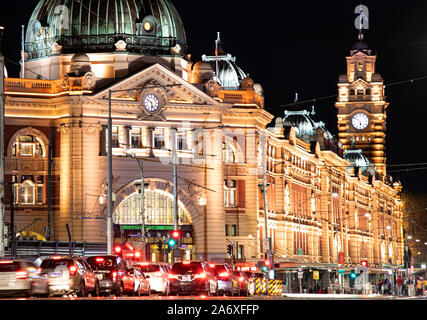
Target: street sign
[[300, 252], [315, 275], [266, 243]]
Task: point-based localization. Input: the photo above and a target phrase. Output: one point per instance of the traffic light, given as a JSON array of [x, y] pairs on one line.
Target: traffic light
[[353, 275], [118, 250], [364, 263], [176, 234], [229, 249], [267, 265], [172, 243]]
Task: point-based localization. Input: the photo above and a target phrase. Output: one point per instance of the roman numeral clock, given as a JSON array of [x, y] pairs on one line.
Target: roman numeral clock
[[151, 104]]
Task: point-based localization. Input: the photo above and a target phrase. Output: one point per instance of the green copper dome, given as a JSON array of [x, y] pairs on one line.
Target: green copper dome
[[146, 26]]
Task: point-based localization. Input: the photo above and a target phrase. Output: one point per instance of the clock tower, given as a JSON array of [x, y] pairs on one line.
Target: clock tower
[[362, 107]]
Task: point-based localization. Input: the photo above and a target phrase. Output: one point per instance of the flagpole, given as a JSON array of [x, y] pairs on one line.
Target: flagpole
[[23, 53], [216, 57]]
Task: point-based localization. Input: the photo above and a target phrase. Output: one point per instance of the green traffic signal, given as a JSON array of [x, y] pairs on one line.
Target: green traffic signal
[[171, 242], [353, 275]]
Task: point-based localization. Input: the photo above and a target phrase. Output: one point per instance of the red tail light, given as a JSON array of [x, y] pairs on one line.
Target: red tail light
[[99, 260], [186, 262], [114, 275], [212, 265], [200, 276], [224, 274], [21, 275], [73, 270], [173, 276], [241, 279]]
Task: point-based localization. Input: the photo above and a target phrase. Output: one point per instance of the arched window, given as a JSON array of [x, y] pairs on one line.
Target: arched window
[[159, 209], [26, 192], [29, 192]]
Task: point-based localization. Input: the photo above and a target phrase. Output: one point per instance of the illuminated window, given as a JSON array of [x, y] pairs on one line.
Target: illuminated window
[[28, 192], [159, 209], [230, 194], [27, 146]]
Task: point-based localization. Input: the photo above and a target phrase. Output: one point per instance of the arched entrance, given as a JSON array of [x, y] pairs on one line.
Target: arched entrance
[[158, 220]]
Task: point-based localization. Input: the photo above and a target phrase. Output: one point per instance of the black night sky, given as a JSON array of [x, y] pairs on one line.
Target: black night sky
[[300, 46]]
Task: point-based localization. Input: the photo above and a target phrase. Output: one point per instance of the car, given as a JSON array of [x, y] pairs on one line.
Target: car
[[228, 283], [158, 273], [90, 276], [23, 278], [244, 283], [68, 275], [142, 284], [263, 282], [192, 277], [251, 281], [113, 273]]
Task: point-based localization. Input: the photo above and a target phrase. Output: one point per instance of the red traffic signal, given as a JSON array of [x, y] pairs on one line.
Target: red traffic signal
[[176, 234], [117, 250], [364, 263], [267, 263]]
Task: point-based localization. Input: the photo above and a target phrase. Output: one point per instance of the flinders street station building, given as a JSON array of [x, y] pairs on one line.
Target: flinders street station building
[[328, 200]]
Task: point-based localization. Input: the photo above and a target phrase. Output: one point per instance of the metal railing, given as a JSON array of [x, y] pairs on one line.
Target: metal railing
[[35, 249]]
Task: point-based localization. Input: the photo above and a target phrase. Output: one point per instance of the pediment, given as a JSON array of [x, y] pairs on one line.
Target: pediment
[[157, 77], [359, 83]]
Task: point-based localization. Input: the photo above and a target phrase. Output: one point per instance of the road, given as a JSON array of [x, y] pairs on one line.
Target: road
[[226, 298]]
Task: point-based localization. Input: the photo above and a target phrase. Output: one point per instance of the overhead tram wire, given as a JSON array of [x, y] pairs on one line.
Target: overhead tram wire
[[411, 81], [222, 126]]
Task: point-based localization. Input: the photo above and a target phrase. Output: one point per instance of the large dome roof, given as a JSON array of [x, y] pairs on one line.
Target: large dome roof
[[304, 125], [152, 26]]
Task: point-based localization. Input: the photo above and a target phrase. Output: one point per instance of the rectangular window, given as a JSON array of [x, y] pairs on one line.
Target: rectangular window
[[181, 140], [27, 149], [158, 139], [40, 194], [115, 137], [240, 254], [136, 138], [233, 230], [226, 230], [230, 194]]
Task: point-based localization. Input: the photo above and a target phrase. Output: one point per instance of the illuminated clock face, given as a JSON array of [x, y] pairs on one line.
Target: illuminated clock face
[[147, 26], [151, 103], [360, 121]]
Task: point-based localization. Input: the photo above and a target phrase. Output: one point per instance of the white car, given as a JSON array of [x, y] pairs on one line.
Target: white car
[[158, 273], [22, 277]]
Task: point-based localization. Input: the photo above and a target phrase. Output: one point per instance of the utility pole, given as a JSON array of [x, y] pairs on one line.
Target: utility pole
[[12, 220], [141, 168], [110, 179], [177, 251], [2, 182]]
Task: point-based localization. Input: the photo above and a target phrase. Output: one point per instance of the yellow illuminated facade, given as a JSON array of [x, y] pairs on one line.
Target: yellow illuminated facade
[[317, 200]]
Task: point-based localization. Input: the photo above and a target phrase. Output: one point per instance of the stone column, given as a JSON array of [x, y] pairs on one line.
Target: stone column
[[215, 244]]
